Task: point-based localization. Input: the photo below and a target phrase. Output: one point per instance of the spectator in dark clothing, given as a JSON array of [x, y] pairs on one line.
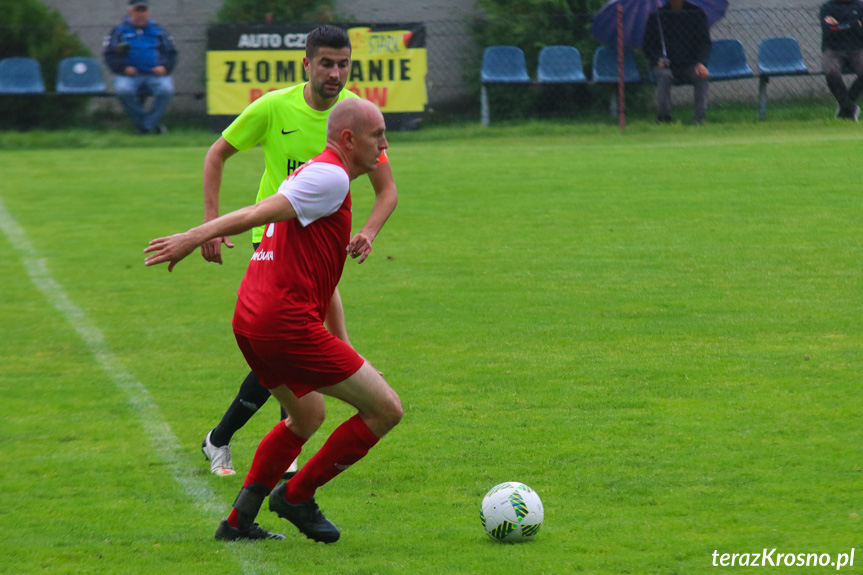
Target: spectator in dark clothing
[[142, 56], [842, 47], [677, 45]]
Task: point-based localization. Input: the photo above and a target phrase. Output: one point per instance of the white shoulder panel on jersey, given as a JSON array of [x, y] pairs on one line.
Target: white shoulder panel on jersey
[[316, 191]]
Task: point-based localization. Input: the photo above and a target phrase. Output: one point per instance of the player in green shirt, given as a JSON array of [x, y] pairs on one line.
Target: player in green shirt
[[290, 125], [289, 131]]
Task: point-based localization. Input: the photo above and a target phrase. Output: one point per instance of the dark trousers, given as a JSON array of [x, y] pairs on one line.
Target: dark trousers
[[832, 63], [665, 77]]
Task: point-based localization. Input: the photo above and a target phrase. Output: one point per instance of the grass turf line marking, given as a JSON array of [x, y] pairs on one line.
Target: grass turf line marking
[[165, 443]]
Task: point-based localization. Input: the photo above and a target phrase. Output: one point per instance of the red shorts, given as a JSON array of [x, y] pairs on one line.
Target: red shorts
[[313, 359]]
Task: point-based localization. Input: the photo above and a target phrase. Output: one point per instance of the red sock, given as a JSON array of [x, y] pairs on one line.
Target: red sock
[[275, 453], [232, 519], [348, 444]]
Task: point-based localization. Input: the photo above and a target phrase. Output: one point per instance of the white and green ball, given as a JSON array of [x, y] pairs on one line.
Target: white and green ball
[[511, 512]]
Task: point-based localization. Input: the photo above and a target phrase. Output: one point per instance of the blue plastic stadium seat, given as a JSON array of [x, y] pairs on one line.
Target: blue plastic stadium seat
[[504, 65], [21, 76], [780, 56], [728, 61], [605, 66], [500, 65], [560, 65], [80, 75]]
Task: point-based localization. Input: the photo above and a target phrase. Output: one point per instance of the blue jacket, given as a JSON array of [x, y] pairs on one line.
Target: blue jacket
[[142, 48]]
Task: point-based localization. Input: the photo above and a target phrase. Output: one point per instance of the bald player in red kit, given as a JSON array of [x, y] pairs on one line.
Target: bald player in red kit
[[279, 325]]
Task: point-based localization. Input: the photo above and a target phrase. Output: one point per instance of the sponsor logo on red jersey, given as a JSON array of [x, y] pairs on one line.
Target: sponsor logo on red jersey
[[262, 257]]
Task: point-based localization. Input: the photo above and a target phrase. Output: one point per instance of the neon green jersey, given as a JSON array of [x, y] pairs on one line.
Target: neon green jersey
[[290, 133]]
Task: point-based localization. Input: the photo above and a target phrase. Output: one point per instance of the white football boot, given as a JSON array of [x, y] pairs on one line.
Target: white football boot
[[220, 457]]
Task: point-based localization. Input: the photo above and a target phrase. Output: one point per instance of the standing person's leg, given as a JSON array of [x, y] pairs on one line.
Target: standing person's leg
[[293, 369], [126, 88], [217, 444], [277, 449], [831, 64], [855, 62], [378, 411], [275, 452], [663, 78]]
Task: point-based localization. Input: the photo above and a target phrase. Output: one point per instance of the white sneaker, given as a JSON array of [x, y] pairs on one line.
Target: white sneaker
[[220, 457]]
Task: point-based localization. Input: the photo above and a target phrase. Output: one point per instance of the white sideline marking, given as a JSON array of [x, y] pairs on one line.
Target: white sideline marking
[[164, 442]]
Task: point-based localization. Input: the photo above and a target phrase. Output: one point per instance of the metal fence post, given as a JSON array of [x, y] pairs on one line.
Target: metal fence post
[[483, 105], [763, 79]]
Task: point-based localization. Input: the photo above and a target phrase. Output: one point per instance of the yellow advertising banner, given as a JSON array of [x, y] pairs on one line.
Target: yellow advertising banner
[[387, 68]]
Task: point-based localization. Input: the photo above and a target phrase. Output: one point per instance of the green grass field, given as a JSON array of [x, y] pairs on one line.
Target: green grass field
[[659, 331]]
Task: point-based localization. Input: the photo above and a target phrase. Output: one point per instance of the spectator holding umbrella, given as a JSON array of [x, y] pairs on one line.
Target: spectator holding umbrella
[[677, 45]]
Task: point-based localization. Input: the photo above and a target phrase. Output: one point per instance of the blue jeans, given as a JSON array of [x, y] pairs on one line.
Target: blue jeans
[[133, 90]]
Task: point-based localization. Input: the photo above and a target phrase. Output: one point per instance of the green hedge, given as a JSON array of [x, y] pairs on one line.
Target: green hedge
[[236, 11], [29, 28]]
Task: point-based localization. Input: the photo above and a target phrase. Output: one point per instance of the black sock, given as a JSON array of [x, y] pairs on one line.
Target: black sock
[[250, 398]]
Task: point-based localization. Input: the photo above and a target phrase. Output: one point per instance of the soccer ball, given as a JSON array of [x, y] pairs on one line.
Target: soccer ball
[[511, 512]]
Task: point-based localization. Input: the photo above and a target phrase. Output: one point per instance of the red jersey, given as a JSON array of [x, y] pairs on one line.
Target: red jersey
[[294, 272]]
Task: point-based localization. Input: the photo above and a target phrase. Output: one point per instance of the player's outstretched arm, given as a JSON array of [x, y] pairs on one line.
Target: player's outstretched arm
[[173, 249], [386, 198], [214, 167]]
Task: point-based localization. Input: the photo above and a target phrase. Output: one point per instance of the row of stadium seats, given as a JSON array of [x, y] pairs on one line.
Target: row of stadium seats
[[77, 75], [778, 56]]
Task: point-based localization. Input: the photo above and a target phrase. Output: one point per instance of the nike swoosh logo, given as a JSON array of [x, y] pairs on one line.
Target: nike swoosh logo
[[284, 133]]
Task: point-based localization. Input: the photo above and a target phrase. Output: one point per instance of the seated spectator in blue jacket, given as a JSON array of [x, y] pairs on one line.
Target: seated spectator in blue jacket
[[842, 46], [142, 56]]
